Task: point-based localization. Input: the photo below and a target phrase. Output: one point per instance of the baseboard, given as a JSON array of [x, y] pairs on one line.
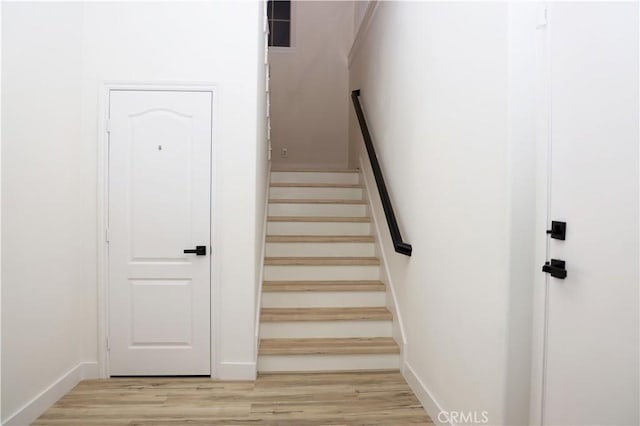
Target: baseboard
[[236, 371], [90, 370], [425, 397], [45, 399]]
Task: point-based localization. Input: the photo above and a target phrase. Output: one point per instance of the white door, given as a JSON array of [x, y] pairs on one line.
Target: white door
[[159, 206], [591, 357]]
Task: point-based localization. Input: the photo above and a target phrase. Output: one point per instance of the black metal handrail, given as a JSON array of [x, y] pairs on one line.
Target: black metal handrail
[[399, 245]]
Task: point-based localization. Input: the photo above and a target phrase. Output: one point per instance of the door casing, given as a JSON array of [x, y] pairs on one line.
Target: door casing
[[542, 215], [103, 206]]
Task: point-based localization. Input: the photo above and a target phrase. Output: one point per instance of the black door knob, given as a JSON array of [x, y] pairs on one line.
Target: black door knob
[[558, 230]]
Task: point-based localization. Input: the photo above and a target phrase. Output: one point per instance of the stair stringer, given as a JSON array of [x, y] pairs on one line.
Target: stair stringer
[[260, 278], [378, 228]]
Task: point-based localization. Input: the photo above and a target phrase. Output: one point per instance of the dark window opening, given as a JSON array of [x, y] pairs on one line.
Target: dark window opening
[[279, 17]]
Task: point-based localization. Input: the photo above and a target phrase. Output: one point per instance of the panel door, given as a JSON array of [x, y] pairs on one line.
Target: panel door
[[591, 360], [159, 206]]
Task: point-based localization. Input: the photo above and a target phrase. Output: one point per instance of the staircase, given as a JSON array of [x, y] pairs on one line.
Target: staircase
[[323, 305]]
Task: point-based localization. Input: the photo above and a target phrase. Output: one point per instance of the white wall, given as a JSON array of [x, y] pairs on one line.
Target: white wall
[[262, 167], [193, 42], [521, 262], [443, 103], [309, 87], [360, 9], [48, 245], [0, 216], [52, 74]]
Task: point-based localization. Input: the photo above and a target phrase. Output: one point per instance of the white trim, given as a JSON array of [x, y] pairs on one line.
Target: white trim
[[103, 204], [33, 409], [236, 371], [279, 50], [541, 282], [296, 166], [423, 394], [384, 264], [102, 259], [261, 271], [90, 370], [0, 217], [363, 30], [216, 241]]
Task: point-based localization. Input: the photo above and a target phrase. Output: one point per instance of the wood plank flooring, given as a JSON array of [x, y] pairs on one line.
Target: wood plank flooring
[[325, 314], [321, 261], [378, 398], [275, 286], [320, 239], [329, 346], [318, 219], [314, 170], [314, 185], [314, 201]]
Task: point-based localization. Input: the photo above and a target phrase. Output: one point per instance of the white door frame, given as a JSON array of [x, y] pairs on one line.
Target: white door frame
[[543, 205], [103, 206]]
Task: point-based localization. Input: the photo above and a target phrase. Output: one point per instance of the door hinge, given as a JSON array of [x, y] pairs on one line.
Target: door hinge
[[107, 126], [108, 346], [542, 17], [106, 235]]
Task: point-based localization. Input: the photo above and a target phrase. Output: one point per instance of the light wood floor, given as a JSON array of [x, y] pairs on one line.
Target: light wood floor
[[274, 399]]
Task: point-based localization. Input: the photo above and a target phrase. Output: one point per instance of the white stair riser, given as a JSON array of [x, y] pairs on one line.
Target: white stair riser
[[320, 249], [315, 177], [344, 210], [321, 272], [323, 299], [318, 329], [318, 228], [316, 193], [275, 363]]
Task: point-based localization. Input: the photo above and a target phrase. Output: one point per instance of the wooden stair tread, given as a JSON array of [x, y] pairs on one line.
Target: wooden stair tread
[[318, 219], [320, 239], [322, 261], [314, 185], [329, 346], [312, 170], [325, 314], [315, 201], [293, 286]]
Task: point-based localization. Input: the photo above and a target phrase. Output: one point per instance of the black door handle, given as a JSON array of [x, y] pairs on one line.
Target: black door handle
[[198, 251], [556, 268]]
